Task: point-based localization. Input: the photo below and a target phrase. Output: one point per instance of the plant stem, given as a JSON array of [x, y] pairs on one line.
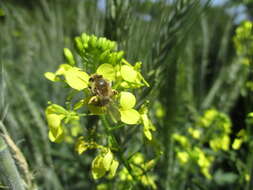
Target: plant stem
[[119, 152], [8, 170]]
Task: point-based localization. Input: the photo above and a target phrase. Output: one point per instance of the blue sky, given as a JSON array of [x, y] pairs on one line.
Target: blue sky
[[240, 9], [215, 2], [218, 2]]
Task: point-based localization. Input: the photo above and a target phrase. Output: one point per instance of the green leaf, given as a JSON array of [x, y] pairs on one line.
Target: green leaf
[[97, 167], [127, 100], [76, 79], [130, 116], [107, 71], [128, 73]]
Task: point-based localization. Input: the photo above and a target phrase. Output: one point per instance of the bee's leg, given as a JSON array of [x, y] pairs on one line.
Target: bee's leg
[[114, 92], [91, 90], [93, 100]]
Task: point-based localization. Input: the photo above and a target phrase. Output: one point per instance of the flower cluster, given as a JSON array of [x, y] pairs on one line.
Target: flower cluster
[[58, 118], [218, 126], [139, 168], [212, 128], [243, 42], [104, 85], [243, 39]]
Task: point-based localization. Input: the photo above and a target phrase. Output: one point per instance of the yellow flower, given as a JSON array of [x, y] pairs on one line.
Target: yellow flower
[[74, 76], [104, 162], [194, 132], [237, 143], [148, 126], [128, 114], [57, 117], [183, 157]]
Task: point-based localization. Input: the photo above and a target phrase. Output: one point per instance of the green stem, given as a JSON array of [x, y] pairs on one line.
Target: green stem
[[116, 127], [119, 152], [8, 170], [250, 158]]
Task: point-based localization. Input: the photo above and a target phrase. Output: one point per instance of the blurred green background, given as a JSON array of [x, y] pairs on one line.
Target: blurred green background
[[189, 59]]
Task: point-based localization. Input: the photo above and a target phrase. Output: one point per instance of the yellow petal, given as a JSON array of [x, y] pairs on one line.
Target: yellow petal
[[54, 120], [108, 160], [113, 169], [56, 109], [130, 116], [137, 158], [128, 73], [56, 134], [127, 100], [98, 169], [147, 133], [50, 76], [81, 146], [183, 157], [237, 143], [107, 71], [76, 79], [150, 164], [62, 69]]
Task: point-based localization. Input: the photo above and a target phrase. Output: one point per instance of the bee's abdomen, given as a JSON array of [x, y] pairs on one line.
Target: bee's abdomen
[[103, 101]]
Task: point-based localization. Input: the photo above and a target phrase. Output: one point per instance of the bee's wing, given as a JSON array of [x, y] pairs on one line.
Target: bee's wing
[[114, 112]]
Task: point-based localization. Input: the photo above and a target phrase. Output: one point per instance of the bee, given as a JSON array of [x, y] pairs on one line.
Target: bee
[[101, 89]]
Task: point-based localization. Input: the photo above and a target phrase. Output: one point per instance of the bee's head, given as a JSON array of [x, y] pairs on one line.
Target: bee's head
[[101, 83], [91, 79], [95, 77]]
